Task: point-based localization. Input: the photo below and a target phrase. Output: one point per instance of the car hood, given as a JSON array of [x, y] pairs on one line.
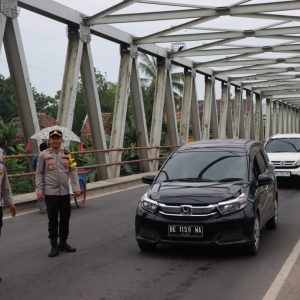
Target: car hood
[[284, 156], [195, 192]]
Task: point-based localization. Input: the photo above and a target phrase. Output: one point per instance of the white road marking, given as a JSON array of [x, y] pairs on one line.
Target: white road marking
[[88, 198], [284, 272]]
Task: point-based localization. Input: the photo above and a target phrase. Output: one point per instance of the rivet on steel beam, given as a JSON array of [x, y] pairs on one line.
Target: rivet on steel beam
[[280, 60], [267, 48], [222, 10], [249, 33]]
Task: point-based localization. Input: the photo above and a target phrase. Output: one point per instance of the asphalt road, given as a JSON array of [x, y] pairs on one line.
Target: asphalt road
[[109, 265]]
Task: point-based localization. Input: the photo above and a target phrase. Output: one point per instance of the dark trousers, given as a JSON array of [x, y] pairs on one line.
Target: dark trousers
[[59, 212]]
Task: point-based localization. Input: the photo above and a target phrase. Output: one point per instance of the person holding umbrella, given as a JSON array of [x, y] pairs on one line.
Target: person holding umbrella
[[53, 172]]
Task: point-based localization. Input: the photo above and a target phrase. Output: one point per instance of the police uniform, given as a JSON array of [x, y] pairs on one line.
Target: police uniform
[[53, 172], [5, 191]]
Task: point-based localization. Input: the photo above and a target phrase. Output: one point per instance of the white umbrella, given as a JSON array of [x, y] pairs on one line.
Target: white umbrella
[[68, 135]]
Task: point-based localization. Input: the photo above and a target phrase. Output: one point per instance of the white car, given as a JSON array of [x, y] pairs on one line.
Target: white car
[[284, 153]]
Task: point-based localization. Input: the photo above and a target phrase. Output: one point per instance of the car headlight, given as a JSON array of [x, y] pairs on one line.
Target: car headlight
[[149, 204], [233, 205]]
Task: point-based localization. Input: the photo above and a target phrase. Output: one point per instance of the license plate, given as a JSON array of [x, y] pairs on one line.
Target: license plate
[[283, 173], [185, 230]]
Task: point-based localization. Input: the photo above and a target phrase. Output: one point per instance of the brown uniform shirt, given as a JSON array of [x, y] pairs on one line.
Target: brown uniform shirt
[[53, 172], [5, 191]]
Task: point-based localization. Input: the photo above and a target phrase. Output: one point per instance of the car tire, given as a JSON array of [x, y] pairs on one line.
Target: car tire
[[273, 222], [146, 247], [252, 247]]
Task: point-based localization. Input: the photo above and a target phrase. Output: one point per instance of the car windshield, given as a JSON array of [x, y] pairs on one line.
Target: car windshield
[[283, 145], [209, 165]]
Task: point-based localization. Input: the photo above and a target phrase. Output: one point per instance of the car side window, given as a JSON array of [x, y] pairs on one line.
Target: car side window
[[256, 168], [261, 162]]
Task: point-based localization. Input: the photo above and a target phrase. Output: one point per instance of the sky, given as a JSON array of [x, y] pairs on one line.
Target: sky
[[45, 42]]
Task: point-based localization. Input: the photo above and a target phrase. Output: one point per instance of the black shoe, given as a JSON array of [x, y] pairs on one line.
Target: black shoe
[[0, 279], [64, 246], [53, 252]]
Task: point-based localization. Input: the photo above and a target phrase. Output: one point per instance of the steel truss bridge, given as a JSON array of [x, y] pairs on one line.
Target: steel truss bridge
[[260, 64]]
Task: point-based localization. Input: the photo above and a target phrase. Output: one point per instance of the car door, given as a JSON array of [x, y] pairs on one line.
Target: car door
[[272, 187], [261, 192]]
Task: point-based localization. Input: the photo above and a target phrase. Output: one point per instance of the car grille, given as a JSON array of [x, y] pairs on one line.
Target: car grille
[[279, 164], [187, 210]]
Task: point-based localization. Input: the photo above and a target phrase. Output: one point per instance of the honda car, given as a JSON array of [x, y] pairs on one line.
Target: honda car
[[215, 192]]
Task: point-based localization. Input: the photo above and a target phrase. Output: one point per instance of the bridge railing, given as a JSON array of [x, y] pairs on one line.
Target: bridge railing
[[94, 166]]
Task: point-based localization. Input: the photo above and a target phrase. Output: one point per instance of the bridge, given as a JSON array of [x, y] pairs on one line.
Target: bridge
[[254, 69]]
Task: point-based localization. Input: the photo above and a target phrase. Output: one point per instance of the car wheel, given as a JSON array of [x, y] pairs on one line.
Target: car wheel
[[252, 247], [273, 222], [146, 247]]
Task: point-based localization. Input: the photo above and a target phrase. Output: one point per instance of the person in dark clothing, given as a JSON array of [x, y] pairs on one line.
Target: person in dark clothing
[[43, 146]]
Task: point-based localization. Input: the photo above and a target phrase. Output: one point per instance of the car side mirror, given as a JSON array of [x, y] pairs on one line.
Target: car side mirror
[[264, 180], [148, 179]]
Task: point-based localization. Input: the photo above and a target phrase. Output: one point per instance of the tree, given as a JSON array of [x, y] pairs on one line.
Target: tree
[[8, 107], [149, 69], [45, 104]]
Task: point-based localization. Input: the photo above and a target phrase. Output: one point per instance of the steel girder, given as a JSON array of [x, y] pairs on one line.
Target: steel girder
[[256, 68]]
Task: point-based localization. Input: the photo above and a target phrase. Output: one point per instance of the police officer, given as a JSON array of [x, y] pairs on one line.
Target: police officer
[[54, 169], [5, 194]]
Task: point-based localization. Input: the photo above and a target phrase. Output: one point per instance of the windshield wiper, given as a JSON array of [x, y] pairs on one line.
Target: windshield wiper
[[230, 179]]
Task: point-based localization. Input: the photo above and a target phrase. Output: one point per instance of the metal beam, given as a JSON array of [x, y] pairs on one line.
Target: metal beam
[[225, 121], [94, 109], [238, 114], [195, 116], [70, 80], [139, 111], [95, 18], [210, 119], [20, 77], [269, 118], [158, 107], [170, 110], [279, 33], [120, 110], [258, 118], [249, 116], [197, 13], [186, 107]]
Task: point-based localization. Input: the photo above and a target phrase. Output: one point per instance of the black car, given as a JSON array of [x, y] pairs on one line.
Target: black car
[[214, 192]]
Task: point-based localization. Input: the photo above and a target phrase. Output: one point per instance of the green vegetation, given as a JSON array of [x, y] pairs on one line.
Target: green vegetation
[[10, 128]]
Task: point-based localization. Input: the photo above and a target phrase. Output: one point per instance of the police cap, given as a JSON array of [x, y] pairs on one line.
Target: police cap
[[55, 132]]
